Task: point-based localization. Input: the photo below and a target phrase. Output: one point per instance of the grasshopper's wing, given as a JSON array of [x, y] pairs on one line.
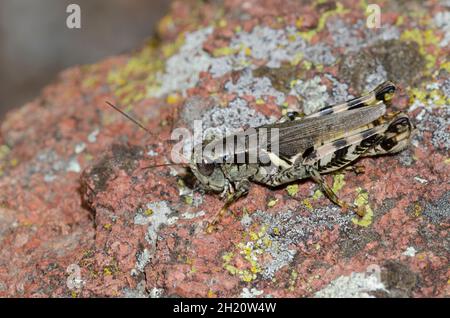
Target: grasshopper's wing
[[299, 137], [382, 92]]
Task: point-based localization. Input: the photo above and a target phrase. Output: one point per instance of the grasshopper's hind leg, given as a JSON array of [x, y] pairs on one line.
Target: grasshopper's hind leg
[[315, 175]]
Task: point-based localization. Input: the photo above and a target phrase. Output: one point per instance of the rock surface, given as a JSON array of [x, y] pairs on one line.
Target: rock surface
[[80, 217]]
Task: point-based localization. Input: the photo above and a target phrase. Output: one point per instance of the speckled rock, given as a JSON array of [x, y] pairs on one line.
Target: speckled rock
[[82, 215]]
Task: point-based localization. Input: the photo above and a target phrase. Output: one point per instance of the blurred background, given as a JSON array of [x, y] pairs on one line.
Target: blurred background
[[35, 43]]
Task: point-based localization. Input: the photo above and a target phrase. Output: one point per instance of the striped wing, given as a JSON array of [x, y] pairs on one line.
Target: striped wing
[[298, 136]]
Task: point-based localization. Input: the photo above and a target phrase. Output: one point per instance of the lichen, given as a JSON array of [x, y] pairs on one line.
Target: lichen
[[276, 235], [354, 37], [258, 87], [162, 215], [292, 189], [356, 285], [313, 94], [362, 200]]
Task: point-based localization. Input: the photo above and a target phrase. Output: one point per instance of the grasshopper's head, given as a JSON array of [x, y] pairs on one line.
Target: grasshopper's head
[[208, 173]]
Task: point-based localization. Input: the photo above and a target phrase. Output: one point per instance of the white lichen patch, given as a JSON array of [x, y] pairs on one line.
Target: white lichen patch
[[378, 76], [339, 91], [356, 285], [160, 214], [156, 292], [272, 46], [51, 165], [192, 215], [251, 293], [183, 68], [410, 251], [92, 137], [80, 147], [258, 87], [421, 180], [73, 166], [221, 121], [436, 122], [143, 259], [356, 36], [138, 292], [442, 21], [315, 95], [152, 153], [312, 92]]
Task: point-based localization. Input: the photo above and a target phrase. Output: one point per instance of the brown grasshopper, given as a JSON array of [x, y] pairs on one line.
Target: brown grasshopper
[[306, 147]]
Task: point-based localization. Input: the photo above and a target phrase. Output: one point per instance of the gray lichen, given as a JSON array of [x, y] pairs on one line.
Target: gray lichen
[[356, 285], [287, 230], [438, 211], [436, 122], [182, 69], [221, 121], [442, 20], [262, 43], [161, 215], [352, 39], [258, 87]]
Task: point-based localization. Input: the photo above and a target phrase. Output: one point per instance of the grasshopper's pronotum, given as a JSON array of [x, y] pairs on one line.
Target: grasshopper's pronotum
[[307, 147]]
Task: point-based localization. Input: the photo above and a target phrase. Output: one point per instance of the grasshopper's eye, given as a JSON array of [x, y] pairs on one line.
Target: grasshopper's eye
[[205, 169]]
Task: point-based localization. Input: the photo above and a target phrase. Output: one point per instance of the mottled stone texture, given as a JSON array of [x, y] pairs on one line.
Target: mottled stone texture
[[78, 202]]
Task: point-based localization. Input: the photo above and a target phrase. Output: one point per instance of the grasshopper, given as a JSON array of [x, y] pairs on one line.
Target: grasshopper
[[307, 147]]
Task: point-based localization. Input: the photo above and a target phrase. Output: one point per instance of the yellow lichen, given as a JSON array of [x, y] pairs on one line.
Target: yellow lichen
[[222, 23], [317, 194], [307, 204], [148, 212], [338, 182], [340, 10], [137, 79], [276, 231], [260, 101], [4, 151], [272, 203], [293, 278], [423, 39], [254, 244], [362, 200], [417, 210], [189, 200], [445, 66], [292, 189], [224, 51], [107, 271], [173, 99], [211, 294], [433, 98], [297, 58]]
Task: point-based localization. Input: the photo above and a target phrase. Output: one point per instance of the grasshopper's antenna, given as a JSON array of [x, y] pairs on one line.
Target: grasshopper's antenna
[[129, 117], [147, 130], [165, 165]]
